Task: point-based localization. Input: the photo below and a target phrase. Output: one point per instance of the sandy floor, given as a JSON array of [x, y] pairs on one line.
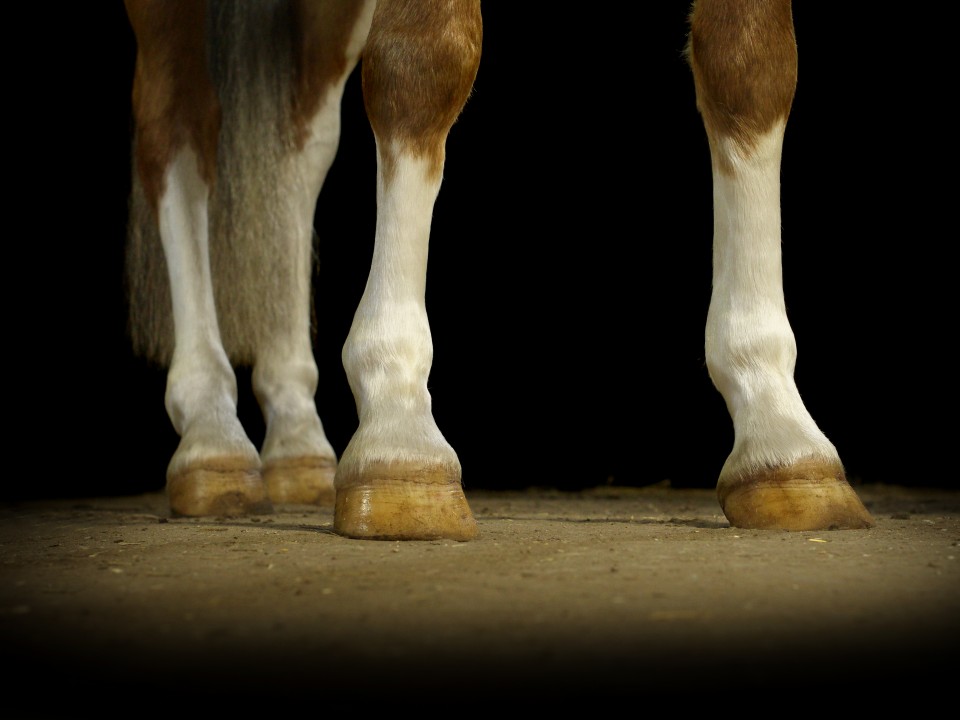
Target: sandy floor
[[608, 593]]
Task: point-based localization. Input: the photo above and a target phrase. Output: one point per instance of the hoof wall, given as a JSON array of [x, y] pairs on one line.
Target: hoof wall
[[217, 491], [806, 496], [301, 481], [404, 510]]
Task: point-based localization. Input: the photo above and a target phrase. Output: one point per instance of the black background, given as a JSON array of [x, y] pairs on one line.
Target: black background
[[569, 274]]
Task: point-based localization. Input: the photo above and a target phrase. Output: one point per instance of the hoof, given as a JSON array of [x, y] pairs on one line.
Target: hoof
[[382, 507], [809, 495], [301, 481], [222, 488]]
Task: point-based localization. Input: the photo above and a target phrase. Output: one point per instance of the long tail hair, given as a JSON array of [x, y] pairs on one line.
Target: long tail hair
[[251, 217]]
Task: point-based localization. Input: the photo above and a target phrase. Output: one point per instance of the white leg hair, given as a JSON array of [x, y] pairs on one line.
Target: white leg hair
[[201, 395], [750, 347], [389, 350], [285, 374]]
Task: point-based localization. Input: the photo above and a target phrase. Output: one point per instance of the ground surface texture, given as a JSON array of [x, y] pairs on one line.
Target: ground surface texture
[[564, 597]]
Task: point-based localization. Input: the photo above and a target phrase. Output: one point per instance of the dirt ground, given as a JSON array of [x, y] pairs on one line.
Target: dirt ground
[[597, 595]]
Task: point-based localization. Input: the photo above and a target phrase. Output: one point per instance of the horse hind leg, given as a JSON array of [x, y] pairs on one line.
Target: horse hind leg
[[280, 69], [299, 463], [398, 477], [215, 469], [783, 472]]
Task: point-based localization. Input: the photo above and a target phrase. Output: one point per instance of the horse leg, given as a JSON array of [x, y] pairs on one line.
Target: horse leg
[[299, 463], [399, 477], [782, 472], [215, 469]]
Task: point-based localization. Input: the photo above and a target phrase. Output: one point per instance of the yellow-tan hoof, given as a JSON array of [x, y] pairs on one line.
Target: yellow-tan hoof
[[811, 495], [301, 481], [221, 489], [392, 509]]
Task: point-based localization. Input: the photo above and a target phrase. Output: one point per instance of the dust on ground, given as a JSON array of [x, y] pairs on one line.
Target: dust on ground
[[611, 592]]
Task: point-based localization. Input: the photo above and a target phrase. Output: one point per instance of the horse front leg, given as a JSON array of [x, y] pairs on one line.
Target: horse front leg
[[783, 472], [399, 478]]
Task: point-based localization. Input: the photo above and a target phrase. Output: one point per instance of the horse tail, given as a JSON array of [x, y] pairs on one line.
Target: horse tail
[[250, 50]]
